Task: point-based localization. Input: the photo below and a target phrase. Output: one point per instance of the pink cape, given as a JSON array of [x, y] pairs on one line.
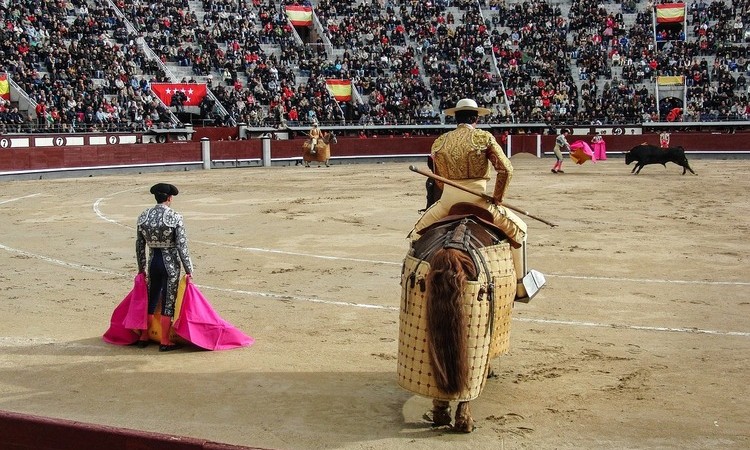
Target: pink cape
[[129, 315], [197, 323], [580, 152]]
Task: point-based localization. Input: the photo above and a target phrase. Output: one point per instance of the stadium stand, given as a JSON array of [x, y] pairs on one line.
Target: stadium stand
[[76, 65]]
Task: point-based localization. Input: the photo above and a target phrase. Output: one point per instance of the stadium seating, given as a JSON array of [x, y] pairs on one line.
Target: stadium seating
[[88, 67]]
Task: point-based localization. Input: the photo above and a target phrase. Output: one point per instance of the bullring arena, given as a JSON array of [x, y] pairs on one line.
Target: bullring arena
[[640, 338]]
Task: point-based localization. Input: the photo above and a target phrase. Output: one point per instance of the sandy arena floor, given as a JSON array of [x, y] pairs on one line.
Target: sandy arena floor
[[641, 338]]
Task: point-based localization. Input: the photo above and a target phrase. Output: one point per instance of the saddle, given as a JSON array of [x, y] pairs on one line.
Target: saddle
[[478, 231], [468, 231]]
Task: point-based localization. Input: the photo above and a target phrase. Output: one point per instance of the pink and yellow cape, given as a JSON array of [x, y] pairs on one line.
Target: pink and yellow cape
[[197, 323]]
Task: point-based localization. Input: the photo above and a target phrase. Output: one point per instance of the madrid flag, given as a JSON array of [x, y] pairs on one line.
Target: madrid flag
[[670, 12], [194, 92], [4, 87], [340, 89], [300, 16]]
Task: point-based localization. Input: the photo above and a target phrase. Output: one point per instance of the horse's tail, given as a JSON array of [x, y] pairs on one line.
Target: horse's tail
[[446, 321]]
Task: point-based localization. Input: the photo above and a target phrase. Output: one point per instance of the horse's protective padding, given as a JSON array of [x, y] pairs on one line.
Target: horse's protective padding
[[488, 335]]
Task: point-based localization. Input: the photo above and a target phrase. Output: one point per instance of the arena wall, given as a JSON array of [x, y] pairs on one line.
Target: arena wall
[[27, 432], [48, 154]]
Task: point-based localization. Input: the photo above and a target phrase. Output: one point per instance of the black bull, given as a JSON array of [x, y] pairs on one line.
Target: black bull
[[646, 154]]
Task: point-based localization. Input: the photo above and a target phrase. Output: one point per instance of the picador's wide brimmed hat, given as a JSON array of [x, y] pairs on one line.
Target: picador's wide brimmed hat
[[164, 188], [466, 104]]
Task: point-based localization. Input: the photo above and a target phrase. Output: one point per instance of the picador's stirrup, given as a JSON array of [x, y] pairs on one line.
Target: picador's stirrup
[[532, 283]]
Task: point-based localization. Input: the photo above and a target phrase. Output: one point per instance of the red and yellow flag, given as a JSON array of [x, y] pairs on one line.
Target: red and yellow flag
[[194, 92], [340, 89], [670, 12], [4, 87], [300, 16]]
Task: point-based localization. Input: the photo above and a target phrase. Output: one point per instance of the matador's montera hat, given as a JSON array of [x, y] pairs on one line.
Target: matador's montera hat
[[164, 188]]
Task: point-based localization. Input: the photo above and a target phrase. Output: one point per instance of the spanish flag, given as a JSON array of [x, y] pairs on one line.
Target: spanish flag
[[300, 16], [4, 87], [340, 89], [670, 12]]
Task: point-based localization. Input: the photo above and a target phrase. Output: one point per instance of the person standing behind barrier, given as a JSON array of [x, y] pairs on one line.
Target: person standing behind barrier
[[561, 143], [161, 229], [464, 156], [599, 147]]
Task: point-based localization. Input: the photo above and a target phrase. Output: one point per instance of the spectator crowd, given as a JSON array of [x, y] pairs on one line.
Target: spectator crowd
[[89, 67]]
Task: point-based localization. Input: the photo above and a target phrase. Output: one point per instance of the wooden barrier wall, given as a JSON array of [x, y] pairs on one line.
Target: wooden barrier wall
[[27, 432], [31, 158]]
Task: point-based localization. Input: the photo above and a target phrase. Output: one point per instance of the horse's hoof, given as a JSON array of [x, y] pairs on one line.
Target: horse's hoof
[[441, 415], [464, 425], [464, 421]]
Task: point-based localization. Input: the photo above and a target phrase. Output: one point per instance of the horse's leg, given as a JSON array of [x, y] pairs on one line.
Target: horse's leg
[[464, 422], [491, 370], [441, 413]]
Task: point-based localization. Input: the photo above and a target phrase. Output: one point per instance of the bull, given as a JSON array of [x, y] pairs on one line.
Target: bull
[[646, 154]]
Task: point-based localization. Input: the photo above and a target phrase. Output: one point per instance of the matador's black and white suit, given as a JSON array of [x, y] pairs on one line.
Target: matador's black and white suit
[[162, 230]]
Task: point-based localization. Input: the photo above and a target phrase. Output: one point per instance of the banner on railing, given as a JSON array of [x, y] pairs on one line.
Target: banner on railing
[[193, 92], [677, 80], [670, 12], [4, 87], [300, 16], [340, 89]]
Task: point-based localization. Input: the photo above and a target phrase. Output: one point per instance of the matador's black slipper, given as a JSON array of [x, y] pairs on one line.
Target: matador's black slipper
[[170, 347]]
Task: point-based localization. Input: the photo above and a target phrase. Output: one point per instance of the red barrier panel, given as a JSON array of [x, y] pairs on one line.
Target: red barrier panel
[[22, 155], [692, 142], [26, 432], [292, 148], [92, 156], [247, 149]]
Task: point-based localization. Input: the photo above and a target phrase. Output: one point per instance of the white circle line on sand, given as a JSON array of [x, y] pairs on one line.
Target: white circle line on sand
[[287, 297], [101, 215], [649, 280], [59, 262], [19, 198], [633, 327], [98, 212]]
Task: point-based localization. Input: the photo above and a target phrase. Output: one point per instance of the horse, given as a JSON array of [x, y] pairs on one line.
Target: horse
[[322, 150], [458, 286]]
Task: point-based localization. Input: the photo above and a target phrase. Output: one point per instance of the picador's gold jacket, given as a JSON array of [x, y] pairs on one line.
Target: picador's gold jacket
[[466, 153]]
